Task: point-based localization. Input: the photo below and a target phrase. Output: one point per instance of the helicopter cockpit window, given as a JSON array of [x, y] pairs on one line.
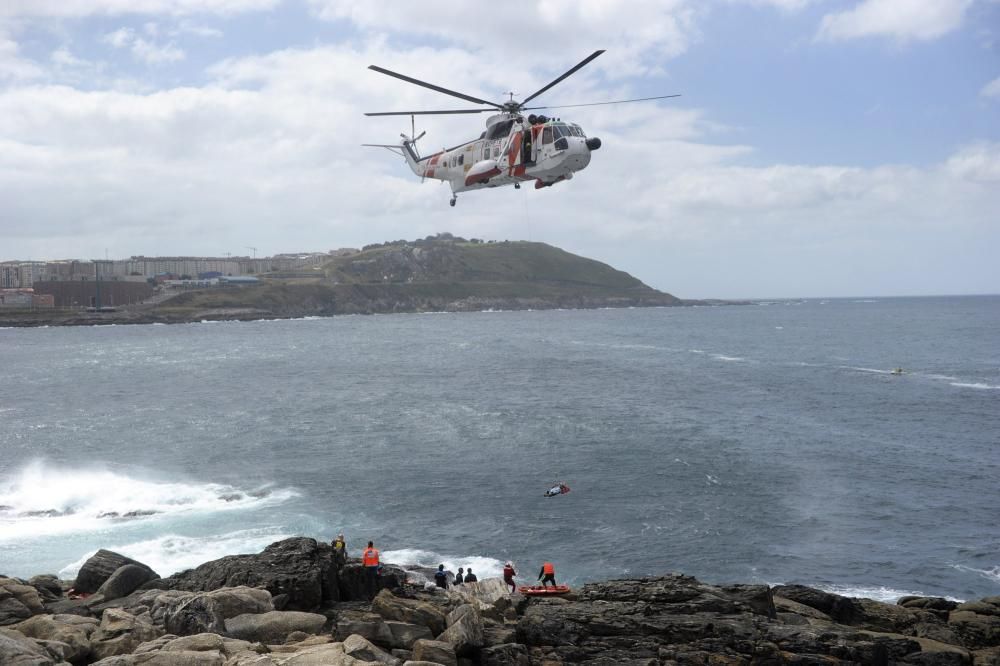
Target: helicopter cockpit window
[[547, 135], [499, 130]]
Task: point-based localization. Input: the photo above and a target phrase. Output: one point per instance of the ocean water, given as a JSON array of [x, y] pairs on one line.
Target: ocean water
[[763, 443]]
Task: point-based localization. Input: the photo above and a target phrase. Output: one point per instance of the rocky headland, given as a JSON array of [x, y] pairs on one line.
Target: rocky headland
[[436, 274], [298, 604]]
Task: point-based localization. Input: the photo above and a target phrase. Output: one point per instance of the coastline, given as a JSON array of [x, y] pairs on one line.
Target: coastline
[[298, 602]]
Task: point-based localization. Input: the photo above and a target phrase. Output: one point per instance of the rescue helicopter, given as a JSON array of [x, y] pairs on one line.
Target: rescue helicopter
[[513, 149]]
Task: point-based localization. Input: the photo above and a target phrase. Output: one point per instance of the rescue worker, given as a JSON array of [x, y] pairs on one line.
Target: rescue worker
[[547, 574], [470, 577], [441, 577], [370, 561], [508, 577]]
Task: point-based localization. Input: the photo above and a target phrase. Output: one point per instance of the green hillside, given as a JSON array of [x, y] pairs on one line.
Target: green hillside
[[446, 260]]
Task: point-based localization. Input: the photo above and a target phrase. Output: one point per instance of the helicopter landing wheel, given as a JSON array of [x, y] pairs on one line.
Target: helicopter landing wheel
[[452, 202], [517, 186]]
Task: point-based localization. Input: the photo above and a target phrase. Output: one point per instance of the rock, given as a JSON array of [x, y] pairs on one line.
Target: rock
[[195, 615], [197, 643], [331, 654], [19, 650], [361, 648], [808, 596], [435, 652], [508, 654], [73, 630], [404, 634], [465, 631], [18, 601], [48, 586], [273, 626], [120, 633], [125, 580], [976, 630], [179, 658], [928, 603], [99, 567], [369, 625], [185, 613], [353, 580], [411, 611], [402, 655], [298, 570]]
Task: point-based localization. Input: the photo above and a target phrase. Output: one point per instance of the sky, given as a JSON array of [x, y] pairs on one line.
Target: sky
[[819, 148]]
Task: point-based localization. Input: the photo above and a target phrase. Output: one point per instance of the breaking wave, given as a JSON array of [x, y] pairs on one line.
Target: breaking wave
[[483, 567], [41, 499]]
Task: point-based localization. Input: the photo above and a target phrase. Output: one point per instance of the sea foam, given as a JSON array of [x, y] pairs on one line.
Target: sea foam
[[42, 499]]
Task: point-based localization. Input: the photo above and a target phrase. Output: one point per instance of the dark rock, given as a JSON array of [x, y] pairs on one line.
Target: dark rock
[[353, 580], [435, 652], [48, 586], [362, 649], [371, 626], [927, 603], [808, 596], [197, 615], [125, 580], [99, 567], [299, 568], [18, 601]]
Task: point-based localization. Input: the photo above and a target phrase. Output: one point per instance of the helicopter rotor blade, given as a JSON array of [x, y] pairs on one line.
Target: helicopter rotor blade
[[431, 86], [617, 101], [567, 74], [429, 113]]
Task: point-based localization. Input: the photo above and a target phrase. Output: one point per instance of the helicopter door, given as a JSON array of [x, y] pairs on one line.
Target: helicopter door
[[527, 150]]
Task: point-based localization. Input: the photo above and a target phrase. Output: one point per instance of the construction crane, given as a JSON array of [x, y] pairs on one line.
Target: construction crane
[[251, 247]]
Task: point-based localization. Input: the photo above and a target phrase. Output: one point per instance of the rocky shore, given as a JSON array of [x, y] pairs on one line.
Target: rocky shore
[[296, 604]]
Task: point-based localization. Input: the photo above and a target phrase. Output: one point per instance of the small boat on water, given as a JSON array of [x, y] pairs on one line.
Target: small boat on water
[[897, 371], [544, 591]]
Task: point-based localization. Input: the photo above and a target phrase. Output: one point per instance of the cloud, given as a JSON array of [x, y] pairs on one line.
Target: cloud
[[143, 49], [991, 89], [901, 20], [83, 8], [639, 36], [12, 65], [979, 162]]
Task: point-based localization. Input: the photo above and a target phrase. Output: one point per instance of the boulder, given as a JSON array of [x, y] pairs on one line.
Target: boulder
[[99, 567], [508, 654], [465, 631], [179, 658], [331, 654], [353, 580], [411, 611], [125, 580], [195, 615], [369, 625], [299, 573], [435, 652], [363, 649], [404, 634], [73, 630], [48, 586], [120, 633], [18, 601], [197, 643], [976, 630], [273, 626], [19, 650]]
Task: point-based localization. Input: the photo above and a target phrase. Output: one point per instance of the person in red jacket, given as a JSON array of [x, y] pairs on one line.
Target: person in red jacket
[[547, 574], [370, 560]]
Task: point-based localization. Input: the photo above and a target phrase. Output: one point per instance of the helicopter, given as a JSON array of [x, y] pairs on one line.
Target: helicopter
[[513, 149]]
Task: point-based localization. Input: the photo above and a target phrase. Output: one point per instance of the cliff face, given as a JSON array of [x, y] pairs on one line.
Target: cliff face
[[299, 603]]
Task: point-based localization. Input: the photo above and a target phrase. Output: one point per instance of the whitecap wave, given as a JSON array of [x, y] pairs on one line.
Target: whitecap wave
[[723, 357], [878, 593], [876, 371], [482, 566], [976, 385], [171, 553], [993, 573], [42, 499]]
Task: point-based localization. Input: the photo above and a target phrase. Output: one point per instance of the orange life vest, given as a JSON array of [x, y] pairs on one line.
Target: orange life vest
[[548, 569], [370, 557]]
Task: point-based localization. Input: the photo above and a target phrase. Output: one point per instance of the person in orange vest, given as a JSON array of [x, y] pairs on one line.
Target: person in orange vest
[[547, 574], [370, 561]]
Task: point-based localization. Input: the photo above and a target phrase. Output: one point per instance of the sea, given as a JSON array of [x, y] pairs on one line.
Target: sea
[[763, 443]]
